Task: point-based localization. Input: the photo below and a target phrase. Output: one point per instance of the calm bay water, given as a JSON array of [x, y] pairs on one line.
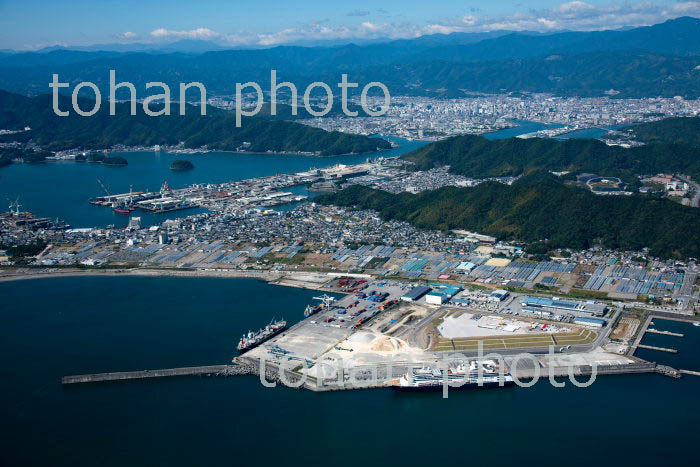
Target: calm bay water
[[523, 127], [86, 324], [62, 189]]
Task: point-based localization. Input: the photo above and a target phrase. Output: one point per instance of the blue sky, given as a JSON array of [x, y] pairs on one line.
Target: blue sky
[[30, 24]]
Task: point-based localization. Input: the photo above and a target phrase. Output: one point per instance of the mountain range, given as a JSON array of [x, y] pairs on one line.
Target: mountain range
[[659, 60]]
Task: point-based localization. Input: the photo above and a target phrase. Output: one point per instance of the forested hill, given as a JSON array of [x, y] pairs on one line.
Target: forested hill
[[681, 130], [475, 156], [217, 130], [540, 207]]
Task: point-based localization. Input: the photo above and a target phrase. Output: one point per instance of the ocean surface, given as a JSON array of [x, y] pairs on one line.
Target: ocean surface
[[94, 324]]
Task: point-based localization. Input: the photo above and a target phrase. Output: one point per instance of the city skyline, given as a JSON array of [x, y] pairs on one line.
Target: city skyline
[[30, 26]]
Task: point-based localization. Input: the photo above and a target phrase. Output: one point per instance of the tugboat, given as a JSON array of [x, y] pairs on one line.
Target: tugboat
[[253, 339], [432, 379]]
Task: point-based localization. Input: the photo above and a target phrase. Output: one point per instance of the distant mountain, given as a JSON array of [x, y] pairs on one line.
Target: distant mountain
[[679, 37], [670, 131], [621, 74], [190, 46], [540, 209], [51, 58], [659, 60], [217, 130], [475, 156]]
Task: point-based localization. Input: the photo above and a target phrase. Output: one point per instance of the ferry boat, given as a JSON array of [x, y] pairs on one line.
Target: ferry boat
[[253, 339], [461, 377]]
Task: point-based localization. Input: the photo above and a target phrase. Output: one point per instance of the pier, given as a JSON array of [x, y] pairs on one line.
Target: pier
[[660, 349], [645, 328], [143, 374]]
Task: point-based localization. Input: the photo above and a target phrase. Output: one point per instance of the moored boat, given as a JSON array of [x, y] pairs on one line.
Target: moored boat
[[460, 377], [253, 339]]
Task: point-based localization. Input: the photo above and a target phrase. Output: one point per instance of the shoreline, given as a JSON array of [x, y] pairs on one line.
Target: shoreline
[[202, 151], [285, 279]]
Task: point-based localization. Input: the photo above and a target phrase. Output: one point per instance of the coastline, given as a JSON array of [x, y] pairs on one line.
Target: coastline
[[202, 151], [285, 279]]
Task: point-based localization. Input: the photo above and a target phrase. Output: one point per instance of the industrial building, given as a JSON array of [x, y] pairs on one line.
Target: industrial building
[[596, 322], [498, 295], [415, 293], [442, 295], [547, 304]]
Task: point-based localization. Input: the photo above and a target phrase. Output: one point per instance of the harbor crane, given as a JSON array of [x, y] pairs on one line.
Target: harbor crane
[[326, 301], [103, 187], [14, 206]]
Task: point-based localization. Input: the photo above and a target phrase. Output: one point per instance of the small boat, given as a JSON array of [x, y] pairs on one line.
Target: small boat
[[123, 210], [697, 325]]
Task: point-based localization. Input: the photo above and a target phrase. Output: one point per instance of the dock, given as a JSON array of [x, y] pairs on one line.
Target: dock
[[645, 328], [144, 374], [660, 349]]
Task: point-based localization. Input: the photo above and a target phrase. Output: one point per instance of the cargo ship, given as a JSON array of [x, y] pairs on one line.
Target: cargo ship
[[253, 339], [460, 377]]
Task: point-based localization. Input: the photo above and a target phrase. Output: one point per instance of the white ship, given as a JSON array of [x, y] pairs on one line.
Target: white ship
[[460, 377]]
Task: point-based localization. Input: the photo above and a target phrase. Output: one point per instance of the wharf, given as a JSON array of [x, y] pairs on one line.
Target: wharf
[[660, 349], [645, 328], [640, 335]]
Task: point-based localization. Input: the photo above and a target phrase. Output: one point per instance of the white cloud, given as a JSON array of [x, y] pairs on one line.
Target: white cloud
[[370, 26], [128, 35], [199, 34], [572, 15]]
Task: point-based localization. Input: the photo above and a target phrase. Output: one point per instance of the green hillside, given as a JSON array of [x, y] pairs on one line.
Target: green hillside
[[217, 130], [682, 130], [475, 156], [540, 207]]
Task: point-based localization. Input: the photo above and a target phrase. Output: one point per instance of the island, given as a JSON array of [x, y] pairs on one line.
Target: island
[[181, 164], [117, 161]]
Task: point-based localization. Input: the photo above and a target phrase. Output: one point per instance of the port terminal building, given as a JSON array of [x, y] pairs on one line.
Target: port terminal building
[[550, 305], [442, 294]]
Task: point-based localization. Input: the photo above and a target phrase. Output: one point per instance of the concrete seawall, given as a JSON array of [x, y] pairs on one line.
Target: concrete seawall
[[143, 374]]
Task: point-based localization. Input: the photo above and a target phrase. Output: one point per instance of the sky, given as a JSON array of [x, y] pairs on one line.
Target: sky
[[33, 24]]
